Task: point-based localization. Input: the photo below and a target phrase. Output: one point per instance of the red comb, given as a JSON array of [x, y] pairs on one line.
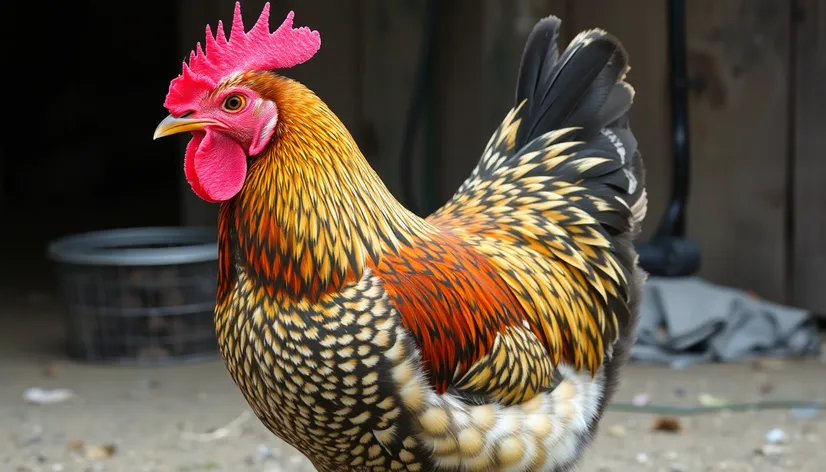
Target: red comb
[[257, 49]]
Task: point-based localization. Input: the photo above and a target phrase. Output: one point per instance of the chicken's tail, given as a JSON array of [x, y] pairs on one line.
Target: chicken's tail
[[583, 89], [562, 175], [572, 128], [568, 137], [570, 125]]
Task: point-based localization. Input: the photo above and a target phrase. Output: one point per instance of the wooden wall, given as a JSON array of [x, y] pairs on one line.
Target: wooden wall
[[757, 128]]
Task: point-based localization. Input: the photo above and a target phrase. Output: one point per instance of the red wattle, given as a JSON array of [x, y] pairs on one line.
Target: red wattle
[[189, 164], [215, 166]]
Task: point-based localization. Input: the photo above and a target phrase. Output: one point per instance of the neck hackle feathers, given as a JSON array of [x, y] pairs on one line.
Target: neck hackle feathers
[[257, 49]]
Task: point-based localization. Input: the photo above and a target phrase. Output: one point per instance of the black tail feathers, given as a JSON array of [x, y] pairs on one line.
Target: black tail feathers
[[580, 88]]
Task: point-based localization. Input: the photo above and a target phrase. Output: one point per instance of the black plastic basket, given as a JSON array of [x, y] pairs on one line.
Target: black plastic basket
[[139, 295]]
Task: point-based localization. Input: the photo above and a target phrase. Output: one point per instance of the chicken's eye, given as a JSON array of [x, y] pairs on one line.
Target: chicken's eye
[[234, 103]]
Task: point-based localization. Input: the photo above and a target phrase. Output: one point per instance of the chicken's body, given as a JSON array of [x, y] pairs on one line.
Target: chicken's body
[[487, 337]]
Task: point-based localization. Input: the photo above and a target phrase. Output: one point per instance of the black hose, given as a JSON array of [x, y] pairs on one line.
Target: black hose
[[673, 222], [416, 107]]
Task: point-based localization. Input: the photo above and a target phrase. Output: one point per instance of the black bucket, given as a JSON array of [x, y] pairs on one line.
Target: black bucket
[[141, 296]]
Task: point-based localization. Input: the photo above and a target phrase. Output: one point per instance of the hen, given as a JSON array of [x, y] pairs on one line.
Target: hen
[[486, 337]]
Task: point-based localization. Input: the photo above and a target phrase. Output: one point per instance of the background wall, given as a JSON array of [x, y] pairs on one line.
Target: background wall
[[79, 156]]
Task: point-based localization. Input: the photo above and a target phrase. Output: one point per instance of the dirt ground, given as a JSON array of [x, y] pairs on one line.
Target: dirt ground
[[174, 418]]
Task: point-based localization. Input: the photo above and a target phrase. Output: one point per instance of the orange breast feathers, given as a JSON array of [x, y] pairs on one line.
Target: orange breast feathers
[[453, 301]]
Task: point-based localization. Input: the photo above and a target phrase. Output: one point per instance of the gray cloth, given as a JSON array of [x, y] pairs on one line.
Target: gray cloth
[[686, 320]]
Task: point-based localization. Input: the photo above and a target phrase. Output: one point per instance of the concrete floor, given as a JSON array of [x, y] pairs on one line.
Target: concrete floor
[[151, 416]]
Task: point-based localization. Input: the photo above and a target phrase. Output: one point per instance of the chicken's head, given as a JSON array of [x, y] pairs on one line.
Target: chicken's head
[[214, 98]]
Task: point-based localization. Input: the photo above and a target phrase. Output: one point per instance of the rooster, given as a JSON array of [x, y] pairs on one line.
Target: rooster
[[485, 337]]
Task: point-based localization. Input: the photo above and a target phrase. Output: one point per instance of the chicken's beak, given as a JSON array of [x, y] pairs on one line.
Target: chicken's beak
[[171, 125]]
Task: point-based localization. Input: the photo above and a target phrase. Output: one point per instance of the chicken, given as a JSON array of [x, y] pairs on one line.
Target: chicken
[[486, 337]]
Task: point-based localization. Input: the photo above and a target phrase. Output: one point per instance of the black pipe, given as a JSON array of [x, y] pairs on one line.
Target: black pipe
[[673, 222], [670, 253]]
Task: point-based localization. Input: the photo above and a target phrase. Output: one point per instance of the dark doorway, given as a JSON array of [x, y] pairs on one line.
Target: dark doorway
[[84, 84]]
